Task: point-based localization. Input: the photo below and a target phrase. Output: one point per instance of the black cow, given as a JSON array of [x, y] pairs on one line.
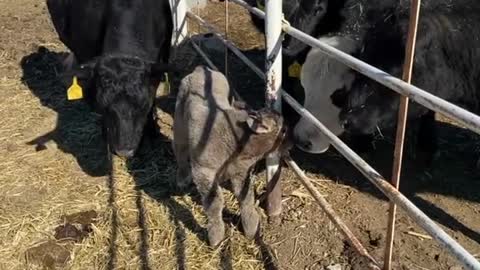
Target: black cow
[[122, 48], [446, 65]]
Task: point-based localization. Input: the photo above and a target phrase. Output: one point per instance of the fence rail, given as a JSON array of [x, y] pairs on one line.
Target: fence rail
[[430, 101], [434, 103]]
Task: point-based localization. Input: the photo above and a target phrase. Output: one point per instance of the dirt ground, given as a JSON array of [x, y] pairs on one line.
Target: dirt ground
[[65, 206]]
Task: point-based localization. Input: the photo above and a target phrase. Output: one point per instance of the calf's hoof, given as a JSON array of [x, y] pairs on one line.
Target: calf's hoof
[[250, 224], [275, 220], [216, 234]]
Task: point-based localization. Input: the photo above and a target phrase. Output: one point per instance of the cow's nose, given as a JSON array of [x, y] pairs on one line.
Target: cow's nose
[[305, 145], [125, 153]]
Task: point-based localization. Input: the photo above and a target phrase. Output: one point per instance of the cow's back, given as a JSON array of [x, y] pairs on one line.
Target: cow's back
[[90, 28], [80, 25]]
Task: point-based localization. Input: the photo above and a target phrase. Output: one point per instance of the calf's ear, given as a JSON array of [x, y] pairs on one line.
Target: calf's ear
[[257, 124]]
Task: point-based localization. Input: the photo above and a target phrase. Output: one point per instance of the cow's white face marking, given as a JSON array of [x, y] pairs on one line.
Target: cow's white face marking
[[320, 77]]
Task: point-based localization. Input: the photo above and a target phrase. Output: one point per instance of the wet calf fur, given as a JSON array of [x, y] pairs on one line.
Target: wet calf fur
[[216, 142]]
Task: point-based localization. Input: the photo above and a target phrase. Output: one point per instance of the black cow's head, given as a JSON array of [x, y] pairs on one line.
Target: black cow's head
[[314, 17], [366, 107], [306, 17], [122, 90]]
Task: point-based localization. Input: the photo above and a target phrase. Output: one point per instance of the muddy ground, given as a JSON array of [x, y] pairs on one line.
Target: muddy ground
[[53, 166]]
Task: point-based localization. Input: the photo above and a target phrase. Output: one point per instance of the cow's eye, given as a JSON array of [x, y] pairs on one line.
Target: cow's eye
[[317, 11]]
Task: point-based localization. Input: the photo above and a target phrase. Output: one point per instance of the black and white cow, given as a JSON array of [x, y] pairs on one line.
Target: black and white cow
[[122, 48], [321, 76], [445, 64]]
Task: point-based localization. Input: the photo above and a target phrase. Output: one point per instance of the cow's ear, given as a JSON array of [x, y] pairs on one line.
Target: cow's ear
[[83, 73], [339, 97], [257, 125], [315, 7]]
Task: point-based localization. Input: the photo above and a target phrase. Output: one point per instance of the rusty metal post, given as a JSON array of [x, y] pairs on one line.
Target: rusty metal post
[[401, 128], [273, 65]]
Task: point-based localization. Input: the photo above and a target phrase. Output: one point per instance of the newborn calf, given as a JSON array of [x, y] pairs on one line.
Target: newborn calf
[[215, 142]]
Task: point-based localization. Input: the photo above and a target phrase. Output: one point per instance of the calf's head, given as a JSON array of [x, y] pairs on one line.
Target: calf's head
[[268, 132], [122, 90]]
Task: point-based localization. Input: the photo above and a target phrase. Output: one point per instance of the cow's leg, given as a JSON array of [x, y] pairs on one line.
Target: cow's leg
[[427, 143], [244, 192], [212, 199]]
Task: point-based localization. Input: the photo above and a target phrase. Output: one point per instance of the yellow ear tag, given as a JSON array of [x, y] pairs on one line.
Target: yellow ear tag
[[260, 6], [75, 91], [167, 84], [294, 70]]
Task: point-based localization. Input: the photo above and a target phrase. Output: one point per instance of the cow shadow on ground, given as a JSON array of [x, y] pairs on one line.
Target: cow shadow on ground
[[453, 173], [77, 129]]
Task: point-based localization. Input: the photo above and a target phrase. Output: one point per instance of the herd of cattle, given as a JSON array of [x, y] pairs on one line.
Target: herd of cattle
[[120, 53]]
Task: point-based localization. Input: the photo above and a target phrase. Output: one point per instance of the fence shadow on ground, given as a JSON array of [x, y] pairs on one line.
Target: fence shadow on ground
[[161, 188], [452, 174]]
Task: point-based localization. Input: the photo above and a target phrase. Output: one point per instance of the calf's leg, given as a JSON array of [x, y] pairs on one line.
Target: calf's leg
[[244, 192], [212, 199]]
